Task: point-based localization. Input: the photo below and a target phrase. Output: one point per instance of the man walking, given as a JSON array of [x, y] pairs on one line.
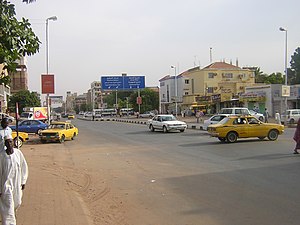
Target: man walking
[[266, 114]]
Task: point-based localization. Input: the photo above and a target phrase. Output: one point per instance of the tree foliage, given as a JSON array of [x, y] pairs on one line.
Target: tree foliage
[[150, 100], [17, 39], [295, 66], [25, 98]]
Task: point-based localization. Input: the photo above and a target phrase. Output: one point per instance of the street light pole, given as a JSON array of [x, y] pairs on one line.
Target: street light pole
[[174, 67], [54, 18], [285, 65]]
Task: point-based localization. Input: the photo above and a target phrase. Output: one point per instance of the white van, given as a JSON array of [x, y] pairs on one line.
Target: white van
[[291, 116]]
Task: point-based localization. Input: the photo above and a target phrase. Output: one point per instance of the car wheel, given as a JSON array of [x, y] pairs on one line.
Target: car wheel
[[73, 137], [223, 140], [62, 139], [165, 130], [151, 128], [18, 142], [273, 135], [261, 138], [261, 118], [292, 121], [231, 137], [39, 131], [182, 130]]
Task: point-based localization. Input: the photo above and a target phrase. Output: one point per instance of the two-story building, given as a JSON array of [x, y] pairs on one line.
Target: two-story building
[[209, 89]]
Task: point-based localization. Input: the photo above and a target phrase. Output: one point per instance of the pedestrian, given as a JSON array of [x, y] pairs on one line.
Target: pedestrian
[[13, 177], [266, 115], [297, 138], [93, 115]]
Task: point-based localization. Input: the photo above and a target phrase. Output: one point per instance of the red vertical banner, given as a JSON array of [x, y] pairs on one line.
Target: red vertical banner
[[48, 84], [139, 100]]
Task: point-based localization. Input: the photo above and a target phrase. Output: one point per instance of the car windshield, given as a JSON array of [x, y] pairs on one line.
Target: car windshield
[[226, 111], [57, 126], [168, 118]]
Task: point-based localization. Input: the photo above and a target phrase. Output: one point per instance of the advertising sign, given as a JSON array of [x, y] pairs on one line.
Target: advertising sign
[[40, 113], [47, 84], [285, 91], [122, 82]]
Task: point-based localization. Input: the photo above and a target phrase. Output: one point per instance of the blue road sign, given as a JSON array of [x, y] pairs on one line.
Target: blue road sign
[[134, 82], [122, 82], [112, 82]]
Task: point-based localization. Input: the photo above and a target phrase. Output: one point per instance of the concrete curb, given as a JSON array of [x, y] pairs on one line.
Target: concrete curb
[[190, 126]]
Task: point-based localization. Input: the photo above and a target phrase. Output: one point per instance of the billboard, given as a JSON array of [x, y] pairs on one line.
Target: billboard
[[122, 82], [47, 84]]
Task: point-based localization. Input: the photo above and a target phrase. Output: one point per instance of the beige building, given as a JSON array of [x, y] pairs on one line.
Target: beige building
[[215, 86], [211, 88], [4, 91], [19, 78]]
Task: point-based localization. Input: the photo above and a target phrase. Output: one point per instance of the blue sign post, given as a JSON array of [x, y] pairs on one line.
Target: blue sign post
[[122, 82]]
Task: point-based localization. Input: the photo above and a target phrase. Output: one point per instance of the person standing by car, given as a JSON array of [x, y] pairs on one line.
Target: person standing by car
[[266, 115], [297, 138]]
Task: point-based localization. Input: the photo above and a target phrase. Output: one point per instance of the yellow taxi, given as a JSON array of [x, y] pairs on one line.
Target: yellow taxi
[[244, 126], [59, 132], [23, 137], [71, 116]]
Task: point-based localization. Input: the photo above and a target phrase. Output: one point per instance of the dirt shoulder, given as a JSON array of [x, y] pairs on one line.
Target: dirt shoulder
[[61, 192]]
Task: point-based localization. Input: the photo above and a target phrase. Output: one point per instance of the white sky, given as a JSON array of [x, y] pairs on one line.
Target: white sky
[[95, 38]]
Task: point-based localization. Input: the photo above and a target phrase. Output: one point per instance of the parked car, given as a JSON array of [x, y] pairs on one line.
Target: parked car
[[4, 115], [166, 123], [259, 116], [242, 111], [30, 126], [23, 137], [291, 116], [147, 115], [243, 126], [213, 120], [59, 132]]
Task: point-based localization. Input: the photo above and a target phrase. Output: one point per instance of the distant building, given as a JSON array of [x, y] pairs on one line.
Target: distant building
[[70, 101], [19, 79]]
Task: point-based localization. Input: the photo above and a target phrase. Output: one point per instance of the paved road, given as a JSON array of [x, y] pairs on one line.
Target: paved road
[[133, 176]]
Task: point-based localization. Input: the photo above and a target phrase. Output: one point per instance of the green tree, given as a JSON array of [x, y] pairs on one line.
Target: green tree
[[295, 66], [150, 100], [260, 76], [275, 78], [25, 98], [17, 39]]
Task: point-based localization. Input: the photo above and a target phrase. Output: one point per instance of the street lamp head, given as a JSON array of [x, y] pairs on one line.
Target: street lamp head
[[282, 29], [54, 18]]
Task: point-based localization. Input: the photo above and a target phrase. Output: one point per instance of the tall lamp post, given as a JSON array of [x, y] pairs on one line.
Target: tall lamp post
[[53, 18], [176, 94], [285, 65]]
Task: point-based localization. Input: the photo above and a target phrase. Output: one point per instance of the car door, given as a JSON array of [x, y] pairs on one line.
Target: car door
[[157, 122], [256, 128], [241, 126]]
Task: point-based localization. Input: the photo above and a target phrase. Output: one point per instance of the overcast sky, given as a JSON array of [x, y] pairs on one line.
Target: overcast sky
[[95, 38]]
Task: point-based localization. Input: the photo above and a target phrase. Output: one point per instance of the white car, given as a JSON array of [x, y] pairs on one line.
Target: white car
[[166, 123], [257, 115], [213, 120]]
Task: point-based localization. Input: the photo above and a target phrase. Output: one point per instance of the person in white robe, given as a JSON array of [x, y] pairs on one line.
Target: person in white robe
[[13, 177]]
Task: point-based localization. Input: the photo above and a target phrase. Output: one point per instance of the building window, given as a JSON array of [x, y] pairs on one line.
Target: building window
[[211, 75], [186, 81], [186, 93], [227, 75], [210, 90]]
